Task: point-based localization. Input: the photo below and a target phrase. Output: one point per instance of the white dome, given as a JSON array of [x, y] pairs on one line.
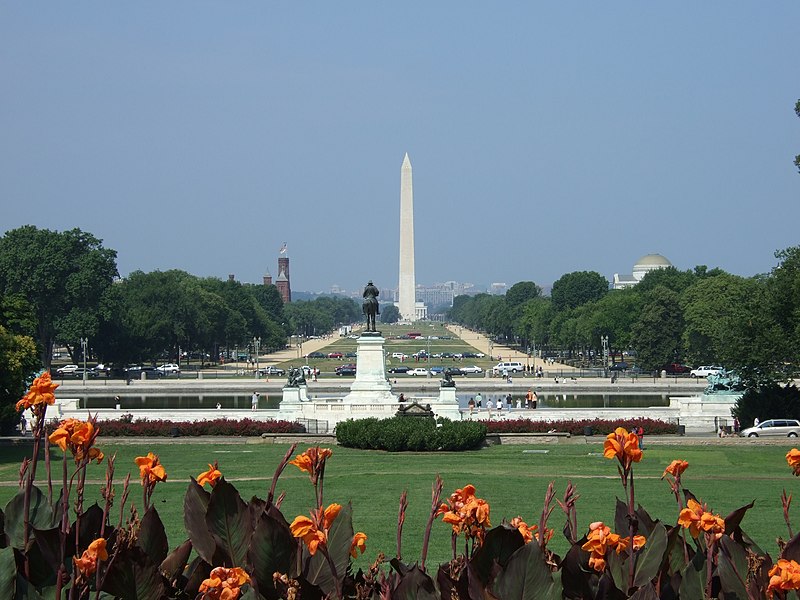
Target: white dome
[[649, 262]]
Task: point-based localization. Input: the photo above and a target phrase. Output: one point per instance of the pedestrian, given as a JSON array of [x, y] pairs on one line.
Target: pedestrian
[[535, 400], [254, 401], [509, 400], [529, 399], [756, 422], [735, 425], [402, 398], [23, 424], [471, 405], [640, 435], [478, 400]]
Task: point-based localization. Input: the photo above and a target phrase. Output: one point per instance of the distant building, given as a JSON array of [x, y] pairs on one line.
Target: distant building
[[649, 262], [498, 289], [282, 282]]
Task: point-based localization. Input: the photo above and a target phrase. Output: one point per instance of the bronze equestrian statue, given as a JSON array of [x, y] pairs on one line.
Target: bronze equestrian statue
[[370, 306]]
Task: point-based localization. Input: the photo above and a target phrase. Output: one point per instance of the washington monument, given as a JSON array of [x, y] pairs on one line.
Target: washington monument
[[406, 293]]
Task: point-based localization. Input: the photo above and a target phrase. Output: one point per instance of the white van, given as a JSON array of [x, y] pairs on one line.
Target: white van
[[507, 367]]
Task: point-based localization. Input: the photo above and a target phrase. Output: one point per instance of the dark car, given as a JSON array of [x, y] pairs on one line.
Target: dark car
[[315, 355], [346, 370], [78, 373], [620, 366], [400, 369], [676, 369], [453, 371]]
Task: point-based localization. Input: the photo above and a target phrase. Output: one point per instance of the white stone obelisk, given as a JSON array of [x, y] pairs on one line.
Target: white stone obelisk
[[406, 292]]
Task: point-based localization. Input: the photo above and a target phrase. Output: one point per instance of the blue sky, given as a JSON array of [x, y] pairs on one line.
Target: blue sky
[[545, 137]]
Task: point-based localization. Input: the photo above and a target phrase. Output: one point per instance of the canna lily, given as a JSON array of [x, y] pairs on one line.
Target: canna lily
[[41, 392], [359, 543], [675, 468], [624, 446], [785, 575], [600, 540], [529, 532], [77, 436], [793, 458], [314, 531], [312, 461], [150, 469], [696, 518], [466, 513], [224, 583], [87, 563], [211, 476]]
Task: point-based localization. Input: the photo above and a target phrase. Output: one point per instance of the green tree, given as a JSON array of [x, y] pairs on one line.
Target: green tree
[[670, 278], [390, 313], [579, 287], [656, 335], [18, 358], [520, 293], [62, 275]]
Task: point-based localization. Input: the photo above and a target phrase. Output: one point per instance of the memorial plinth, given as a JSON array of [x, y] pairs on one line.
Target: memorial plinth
[[370, 385]]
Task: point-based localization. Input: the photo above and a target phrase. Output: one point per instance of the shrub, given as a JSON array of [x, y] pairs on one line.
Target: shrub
[[768, 402], [576, 427], [220, 427], [418, 434]]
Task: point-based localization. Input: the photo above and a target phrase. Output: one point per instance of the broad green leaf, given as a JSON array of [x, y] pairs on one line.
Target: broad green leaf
[[228, 521], [271, 550], [42, 515], [195, 506], [732, 569], [617, 569], [340, 538], [152, 537], [8, 573], [693, 580], [91, 523], [526, 577], [25, 590], [651, 557]]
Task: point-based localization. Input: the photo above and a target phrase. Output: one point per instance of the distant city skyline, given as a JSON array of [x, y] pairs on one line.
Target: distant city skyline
[[547, 138]]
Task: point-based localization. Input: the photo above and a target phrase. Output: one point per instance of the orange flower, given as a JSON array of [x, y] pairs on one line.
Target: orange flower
[[793, 458], [785, 575], [466, 513], [314, 531], [211, 476], [41, 392], [529, 532], [87, 563], [359, 543], [623, 446], [78, 437], [675, 468], [224, 583], [150, 469], [312, 461], [696, 518], [600, 540]]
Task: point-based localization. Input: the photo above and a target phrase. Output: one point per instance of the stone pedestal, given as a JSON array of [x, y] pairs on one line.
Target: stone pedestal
[[290, 403], [370, 385], [447, 395]]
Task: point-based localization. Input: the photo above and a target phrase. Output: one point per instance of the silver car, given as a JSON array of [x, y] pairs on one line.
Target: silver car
[[774, 427]]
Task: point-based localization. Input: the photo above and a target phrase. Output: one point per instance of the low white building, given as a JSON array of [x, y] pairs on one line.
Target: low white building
[[649, 262]]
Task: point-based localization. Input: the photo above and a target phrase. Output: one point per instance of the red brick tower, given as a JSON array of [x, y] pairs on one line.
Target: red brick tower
[[282, 282]]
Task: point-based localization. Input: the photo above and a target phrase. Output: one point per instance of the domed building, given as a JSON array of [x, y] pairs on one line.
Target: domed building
[[649, 262]]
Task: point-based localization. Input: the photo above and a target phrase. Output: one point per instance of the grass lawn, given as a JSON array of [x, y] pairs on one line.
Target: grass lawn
[[512, 480]]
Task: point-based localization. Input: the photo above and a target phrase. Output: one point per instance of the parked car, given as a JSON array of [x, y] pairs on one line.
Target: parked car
[[400, 369], [677, 369], [101, 369], [436, 370], [271, 370], [774, 428], [78, 373], [350, 355], [315, 355], [169, 368], [471, 369], [453, 371], [399, 355], [507, 367], [135, 372], [705, 371], [346, 370], [620, 366], [419, 371], [335, 355], [67, 369]]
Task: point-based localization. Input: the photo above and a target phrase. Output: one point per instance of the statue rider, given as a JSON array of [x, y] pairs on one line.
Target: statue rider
[[370, 306]]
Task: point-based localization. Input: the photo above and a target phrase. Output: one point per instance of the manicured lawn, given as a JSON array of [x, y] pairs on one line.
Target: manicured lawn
[[513, 479]]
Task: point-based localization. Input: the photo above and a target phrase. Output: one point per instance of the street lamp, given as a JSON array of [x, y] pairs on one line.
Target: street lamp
[[256, 345], [84, 342]]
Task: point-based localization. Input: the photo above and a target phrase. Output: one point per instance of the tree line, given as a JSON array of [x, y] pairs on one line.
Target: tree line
[[699, 316]]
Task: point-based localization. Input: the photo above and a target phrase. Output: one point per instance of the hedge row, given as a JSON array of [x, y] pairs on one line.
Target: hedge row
[[599, 426], [126, 426], [418, 434]]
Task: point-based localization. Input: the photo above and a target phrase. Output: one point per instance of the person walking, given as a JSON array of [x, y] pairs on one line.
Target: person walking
[[529, 399], [254, 401], [478, 400]]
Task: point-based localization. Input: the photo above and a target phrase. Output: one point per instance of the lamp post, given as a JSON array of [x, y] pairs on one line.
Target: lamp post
[[84, 342], [256, 345]]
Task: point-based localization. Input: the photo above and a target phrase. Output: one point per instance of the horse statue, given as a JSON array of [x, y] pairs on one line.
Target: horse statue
[[371, 307]]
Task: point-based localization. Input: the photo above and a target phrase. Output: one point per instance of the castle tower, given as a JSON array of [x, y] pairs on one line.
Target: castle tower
[[267, 278], [406, 292]]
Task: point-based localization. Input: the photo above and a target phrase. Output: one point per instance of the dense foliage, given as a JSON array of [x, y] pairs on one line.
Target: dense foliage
[[700, 316], [578, 427], [416, 434], [767, 402], [127, 426]]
